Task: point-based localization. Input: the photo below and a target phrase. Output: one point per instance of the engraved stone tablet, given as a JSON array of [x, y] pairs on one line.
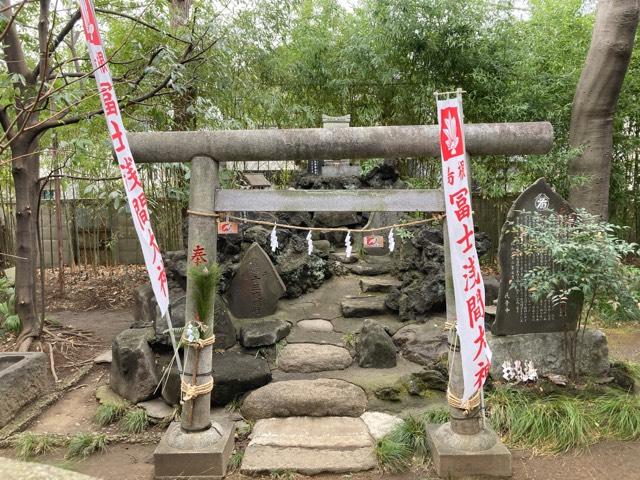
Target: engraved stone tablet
[[256, 286], [517, 312]]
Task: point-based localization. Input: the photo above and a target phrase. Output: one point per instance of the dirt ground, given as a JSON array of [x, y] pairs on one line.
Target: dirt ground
[[74, 411]]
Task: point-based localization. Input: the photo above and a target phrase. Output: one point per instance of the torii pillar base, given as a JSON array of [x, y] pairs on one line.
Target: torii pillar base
[[468, 457], [202, 455]]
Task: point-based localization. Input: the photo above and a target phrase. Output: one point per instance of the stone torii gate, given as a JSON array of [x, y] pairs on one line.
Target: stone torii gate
[[196, 449]]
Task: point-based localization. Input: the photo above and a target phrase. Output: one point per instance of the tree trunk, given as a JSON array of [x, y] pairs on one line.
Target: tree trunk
[[595, 101], [26, 170]]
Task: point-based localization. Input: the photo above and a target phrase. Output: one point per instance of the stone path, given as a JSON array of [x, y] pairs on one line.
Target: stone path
[[311, 357], [309, 446], [363, 306]]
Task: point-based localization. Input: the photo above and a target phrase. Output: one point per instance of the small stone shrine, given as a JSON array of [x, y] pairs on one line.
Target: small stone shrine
[[256, 286], [516, 312]]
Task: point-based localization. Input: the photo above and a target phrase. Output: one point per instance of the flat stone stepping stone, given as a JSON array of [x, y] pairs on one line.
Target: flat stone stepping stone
[[315, 398], [316, 325], [301, 335], [359, 307], [379, 423], [370, 269], [379, 284], [309, 446], [310, 357]]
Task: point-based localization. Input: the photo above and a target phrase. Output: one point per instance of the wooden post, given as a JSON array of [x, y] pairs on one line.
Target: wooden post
[[203, 233]]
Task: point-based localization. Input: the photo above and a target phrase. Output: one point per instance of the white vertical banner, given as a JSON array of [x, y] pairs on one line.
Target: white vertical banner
[[132, 184], [465, 268]]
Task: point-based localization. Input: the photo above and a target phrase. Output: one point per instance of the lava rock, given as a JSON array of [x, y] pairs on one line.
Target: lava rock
[[235, 373], [424, 344], [375, 349]]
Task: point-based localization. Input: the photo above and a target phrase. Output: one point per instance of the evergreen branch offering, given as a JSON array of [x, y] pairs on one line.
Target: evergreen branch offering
[[205, 280]]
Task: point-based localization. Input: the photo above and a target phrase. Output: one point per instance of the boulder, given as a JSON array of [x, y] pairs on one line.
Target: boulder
[[547, 352], [300, 272], [134, 374], [235, 373], [145, 308], [312, 398], [491, 289], [375, 348], [335, 219], [425, 344], [309, 357], [263, 332]]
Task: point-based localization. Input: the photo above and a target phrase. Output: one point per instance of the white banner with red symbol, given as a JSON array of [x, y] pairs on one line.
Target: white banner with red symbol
[[132, 184], [467, 278]]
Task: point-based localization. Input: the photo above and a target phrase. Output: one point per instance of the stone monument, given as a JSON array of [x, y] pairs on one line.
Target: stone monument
[[516, 312], [256, 286], [338, 168]]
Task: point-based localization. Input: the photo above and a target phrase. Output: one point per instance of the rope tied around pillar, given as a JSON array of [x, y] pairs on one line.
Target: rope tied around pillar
[[193, 390], [471, 404]]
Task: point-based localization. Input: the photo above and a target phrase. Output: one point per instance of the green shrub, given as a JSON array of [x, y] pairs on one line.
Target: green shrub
[[109, 413], [30, 445], [134, 421]]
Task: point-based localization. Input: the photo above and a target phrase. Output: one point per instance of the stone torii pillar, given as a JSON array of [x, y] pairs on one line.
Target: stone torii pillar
[[194, 448]]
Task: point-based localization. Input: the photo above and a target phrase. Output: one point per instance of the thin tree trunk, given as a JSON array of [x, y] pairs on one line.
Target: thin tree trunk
[[595, 101], [26, 170]]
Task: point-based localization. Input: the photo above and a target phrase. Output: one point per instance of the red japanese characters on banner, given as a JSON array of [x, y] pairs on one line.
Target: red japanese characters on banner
[[465, 268], [133, 187]]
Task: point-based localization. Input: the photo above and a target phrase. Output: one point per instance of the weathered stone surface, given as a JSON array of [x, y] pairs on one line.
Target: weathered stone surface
[[435, 378], [315, 325], [134, 374], [256, 286], [491, 289], [156, 409], [104, 357], [419, 264], [322, 247], [375, 348], [311, 432], [379, 423], [263, 459], [335, 219], [23, 377], [309, 445], [299, 271], [342, 257], [363, 306], [301, 335], [235, 373], [379, 284], [263, 332], [517, 312], [547, 352], [145, 308], [309, 357], [425, 344], [16, 470], [313, 398], [370, 269]]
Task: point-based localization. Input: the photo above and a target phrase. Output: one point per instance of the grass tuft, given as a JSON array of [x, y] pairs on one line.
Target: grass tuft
[[437, 415], [109, 413], [236, 460], [619, 416], [134, 421], [82, 445], [30, 445]]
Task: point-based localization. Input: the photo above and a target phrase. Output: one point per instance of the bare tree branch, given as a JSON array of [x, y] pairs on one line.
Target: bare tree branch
[[142, 22], [60, 38]]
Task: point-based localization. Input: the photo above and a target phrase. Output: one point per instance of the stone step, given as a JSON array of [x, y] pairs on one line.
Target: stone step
[[319, 337], [367, 306], [379, 284], [309, 446], [370, 269], [314, 398], [311, 357], [315, 325]]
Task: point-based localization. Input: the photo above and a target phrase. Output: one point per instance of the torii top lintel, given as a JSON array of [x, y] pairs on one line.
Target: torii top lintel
[[340, 143]]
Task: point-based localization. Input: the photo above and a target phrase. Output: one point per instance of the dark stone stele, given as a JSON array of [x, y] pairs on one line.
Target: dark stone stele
[[256, 286], [516, 312]]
